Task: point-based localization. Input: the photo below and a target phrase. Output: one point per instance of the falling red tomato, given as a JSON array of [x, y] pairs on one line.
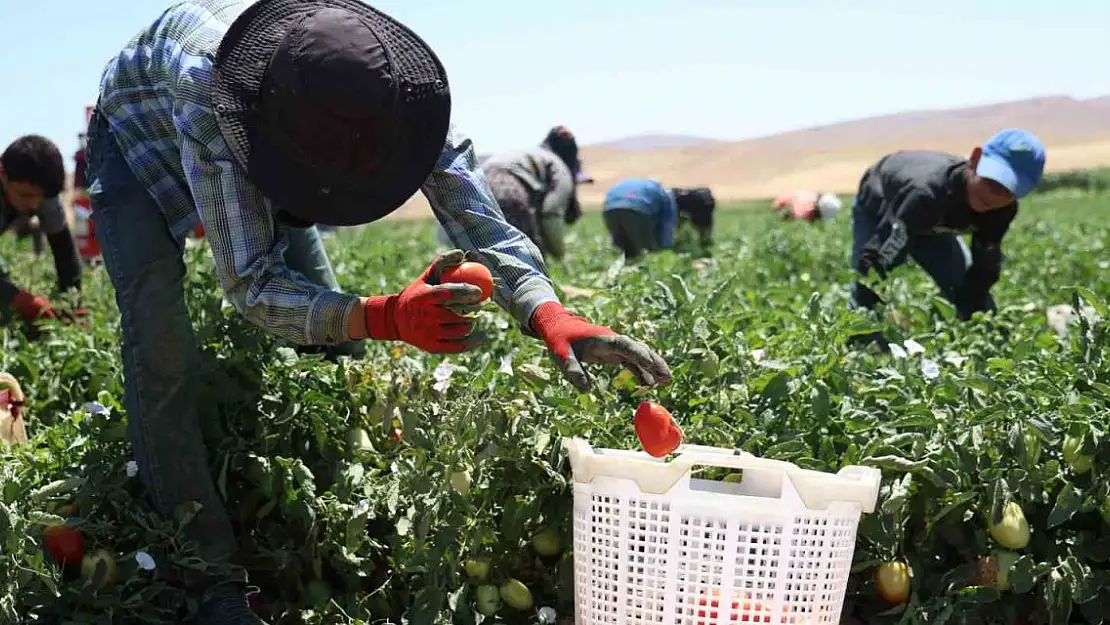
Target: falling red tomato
[[656, 428]]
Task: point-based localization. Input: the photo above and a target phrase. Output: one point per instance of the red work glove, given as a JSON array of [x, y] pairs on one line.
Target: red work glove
[[420, 315], [32, 307], [572, 341]]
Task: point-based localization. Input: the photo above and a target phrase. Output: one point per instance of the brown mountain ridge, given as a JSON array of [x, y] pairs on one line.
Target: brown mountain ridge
[[832, 157]]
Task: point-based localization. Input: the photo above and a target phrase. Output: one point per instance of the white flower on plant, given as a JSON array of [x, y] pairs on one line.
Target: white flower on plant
[[897, 351], [442, 375], [363, 507], [955, 359], [913, 347], [1104, 264], [758, 354], [547, 615], [501, 322], [506, 365], [132, 468], [929, 369], [96, 408], [444, 371], [145, 561]]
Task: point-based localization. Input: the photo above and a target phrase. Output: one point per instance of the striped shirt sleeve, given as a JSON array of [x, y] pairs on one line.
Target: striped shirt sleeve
[[462, 201], [248, 246]]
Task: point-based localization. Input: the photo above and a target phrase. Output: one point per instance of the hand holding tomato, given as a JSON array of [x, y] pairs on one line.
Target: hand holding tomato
[[422, 315]]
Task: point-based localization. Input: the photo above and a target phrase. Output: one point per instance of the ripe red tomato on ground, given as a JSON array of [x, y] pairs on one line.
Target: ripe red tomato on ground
[[471, 273], [656, 428], [64, 543]]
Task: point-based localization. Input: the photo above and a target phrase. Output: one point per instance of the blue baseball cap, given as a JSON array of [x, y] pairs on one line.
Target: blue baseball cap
[[1014, 158]]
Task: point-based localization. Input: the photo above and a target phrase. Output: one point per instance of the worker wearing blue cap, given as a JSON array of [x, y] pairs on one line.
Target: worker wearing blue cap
[[916, 203]]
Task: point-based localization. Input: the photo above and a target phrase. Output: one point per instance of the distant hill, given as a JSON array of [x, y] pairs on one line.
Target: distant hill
[[651, 142], [832, 157]]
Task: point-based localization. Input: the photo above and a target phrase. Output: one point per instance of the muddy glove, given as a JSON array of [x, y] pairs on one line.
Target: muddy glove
[[971, 299], [868, 260], [572, 341], [421, 315]]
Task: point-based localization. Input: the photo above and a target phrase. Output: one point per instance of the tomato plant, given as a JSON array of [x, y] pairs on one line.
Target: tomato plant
[[412, 487]]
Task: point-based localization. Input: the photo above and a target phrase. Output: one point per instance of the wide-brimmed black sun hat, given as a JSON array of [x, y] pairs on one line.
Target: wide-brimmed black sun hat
[[337, 111]]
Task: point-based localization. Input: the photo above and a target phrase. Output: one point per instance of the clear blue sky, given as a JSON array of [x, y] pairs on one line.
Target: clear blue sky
[[612, 68]]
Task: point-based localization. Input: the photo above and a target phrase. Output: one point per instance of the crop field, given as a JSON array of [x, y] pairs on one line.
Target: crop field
[[402, 488]]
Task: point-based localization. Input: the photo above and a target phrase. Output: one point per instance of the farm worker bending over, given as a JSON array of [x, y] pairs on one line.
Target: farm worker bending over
[[641, 214], [537, 189], [916, 203], [806, 206], [267, 117], [32, 175]]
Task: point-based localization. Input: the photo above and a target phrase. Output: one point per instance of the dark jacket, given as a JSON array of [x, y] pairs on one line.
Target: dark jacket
[[919, 193]]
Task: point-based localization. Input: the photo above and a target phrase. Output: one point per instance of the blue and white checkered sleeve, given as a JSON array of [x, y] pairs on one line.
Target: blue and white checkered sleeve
[[462, 201], [248, 246]]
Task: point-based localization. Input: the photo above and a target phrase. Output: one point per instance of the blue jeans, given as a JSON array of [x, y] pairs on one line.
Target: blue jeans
[[161, 360], [945, 257]]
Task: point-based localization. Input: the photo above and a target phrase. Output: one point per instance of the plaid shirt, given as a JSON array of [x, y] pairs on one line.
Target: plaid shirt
[[545, 174], [156, 97]]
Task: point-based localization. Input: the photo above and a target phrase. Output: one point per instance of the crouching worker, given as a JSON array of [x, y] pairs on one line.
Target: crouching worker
[[287, 113], [916, 203], [807, 206], [642, 214], [32, 176], [537, 189]]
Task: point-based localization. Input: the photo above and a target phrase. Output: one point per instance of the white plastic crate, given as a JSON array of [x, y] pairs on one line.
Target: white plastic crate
[[654, 544]]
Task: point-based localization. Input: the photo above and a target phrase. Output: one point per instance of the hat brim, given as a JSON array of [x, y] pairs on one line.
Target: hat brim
[[302, 188], [998, 170]]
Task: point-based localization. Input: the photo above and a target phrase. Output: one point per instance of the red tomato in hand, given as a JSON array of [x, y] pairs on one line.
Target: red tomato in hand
[[656, 428], [64, 543], [470, 273]]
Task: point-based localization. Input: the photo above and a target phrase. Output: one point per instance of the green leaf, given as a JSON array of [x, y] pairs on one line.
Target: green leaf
[[1093, 300], [1081, 584], [1023, 575], [1057, 597], [1068, 503]]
